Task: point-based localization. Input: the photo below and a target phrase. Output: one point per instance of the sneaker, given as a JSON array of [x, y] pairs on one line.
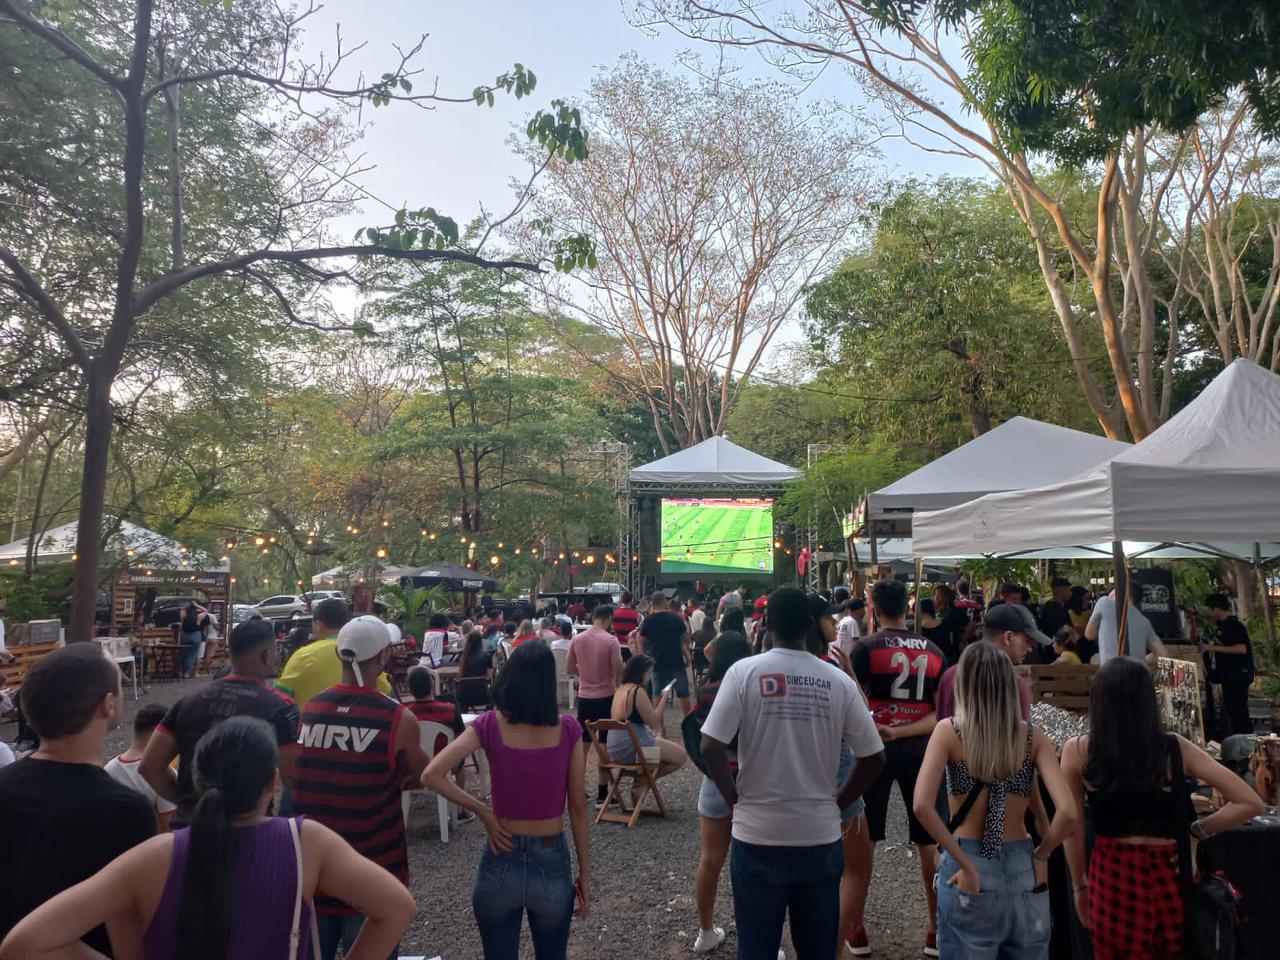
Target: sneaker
[[782, 954], [465, 816], [931, 943], [708, 940], [858, 944], [600, 802]]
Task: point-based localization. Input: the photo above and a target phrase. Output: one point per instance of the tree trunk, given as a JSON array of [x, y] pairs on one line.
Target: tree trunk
[[93, 493]]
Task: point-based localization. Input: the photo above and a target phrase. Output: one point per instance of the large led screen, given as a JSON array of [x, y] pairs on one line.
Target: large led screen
[[704, 535]]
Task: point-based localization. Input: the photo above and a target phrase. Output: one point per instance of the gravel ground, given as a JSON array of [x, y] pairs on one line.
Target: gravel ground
[[642, 904]]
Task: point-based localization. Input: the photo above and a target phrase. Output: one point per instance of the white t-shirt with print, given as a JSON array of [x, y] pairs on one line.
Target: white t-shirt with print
[[126, 772], [847, 631], [790, 712]]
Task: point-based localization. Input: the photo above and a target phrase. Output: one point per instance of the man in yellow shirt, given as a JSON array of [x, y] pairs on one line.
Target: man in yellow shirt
[[316, 666]]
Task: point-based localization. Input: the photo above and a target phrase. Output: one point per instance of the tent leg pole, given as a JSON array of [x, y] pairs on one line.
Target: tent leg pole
[[1268, 625], [1121, 573]]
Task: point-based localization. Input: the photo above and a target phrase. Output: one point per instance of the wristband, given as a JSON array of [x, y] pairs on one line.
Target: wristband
[[1198, 831], [1082, 885]]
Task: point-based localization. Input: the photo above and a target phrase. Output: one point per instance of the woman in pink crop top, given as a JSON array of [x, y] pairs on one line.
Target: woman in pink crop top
[[536, 761]]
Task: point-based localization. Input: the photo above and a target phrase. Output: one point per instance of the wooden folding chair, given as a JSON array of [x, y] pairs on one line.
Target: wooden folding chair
[[644, 775]]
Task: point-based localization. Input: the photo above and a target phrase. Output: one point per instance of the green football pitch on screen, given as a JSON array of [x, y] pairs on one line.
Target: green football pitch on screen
[[717, 536]]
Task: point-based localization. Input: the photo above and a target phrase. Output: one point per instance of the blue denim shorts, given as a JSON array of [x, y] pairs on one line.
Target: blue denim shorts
[[711, 801], [1007, 918], [847, 763]]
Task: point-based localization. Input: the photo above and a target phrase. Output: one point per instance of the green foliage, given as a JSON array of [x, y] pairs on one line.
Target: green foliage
[[44, 596], [411, 607], [836, 484], [943, 313], [1070, 78], [991, 572]]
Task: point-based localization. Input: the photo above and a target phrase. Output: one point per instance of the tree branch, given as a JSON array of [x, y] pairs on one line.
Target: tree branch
[[60, 41], [48, 308], [173, 280]]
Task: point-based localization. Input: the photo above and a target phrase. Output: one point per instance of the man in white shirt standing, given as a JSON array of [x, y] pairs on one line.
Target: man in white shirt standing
[[790, 712], [847, 630], [1143, 643]]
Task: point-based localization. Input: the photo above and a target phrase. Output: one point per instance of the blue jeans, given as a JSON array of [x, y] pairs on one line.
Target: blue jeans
[[769, 882], [1006, 920], [189, 651], [534, 878], [344, 930]]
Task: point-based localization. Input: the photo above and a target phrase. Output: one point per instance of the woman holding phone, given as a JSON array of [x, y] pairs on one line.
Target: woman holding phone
[[632, 706]]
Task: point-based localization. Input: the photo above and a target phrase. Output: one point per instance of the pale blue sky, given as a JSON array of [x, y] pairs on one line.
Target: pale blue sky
[[456, 157]]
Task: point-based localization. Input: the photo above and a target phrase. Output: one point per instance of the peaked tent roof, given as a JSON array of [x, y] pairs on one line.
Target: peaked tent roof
[[714, 461], [452, 577], [1209, 475], [150, 548], [1019, 453]]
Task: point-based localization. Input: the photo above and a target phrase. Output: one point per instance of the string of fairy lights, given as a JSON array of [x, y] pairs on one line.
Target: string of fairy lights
[[264, 543]]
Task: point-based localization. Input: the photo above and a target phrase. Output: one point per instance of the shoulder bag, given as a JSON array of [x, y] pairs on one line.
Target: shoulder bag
[[1212, 907]]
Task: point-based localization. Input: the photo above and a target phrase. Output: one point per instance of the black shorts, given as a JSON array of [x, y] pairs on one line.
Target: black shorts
[[902, 765], [593, 708]]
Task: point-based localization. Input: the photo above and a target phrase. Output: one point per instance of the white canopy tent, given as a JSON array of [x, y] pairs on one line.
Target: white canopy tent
[[1019, 453], [342, 576], [1207, 479], [58, 545], [714, 462]]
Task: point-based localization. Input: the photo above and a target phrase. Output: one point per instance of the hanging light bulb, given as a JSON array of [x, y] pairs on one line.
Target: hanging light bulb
[[381, 553], [517, 551], [591, 558], [493, 561], [259, 541]]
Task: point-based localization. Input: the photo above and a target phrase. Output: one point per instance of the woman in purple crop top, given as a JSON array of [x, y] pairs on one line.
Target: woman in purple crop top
[[536, 761], [228, 887]]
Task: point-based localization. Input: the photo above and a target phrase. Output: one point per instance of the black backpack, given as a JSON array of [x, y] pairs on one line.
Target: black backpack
[[1213, 908]]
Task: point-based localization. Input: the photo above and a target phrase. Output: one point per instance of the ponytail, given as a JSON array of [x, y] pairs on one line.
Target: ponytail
[[235, 763], [204, 917]]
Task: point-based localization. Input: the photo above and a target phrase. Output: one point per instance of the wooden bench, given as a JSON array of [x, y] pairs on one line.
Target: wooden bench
[[24, 656], [1062, 685]]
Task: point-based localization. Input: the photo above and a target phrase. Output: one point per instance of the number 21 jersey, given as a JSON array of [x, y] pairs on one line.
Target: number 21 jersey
[[899, 673]]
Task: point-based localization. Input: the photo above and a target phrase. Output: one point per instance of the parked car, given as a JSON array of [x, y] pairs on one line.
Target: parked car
[[315, 596], [283, 606], [240, 612]]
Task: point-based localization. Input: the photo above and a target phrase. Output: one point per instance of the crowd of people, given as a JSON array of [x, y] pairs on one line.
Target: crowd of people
[[259, 819]]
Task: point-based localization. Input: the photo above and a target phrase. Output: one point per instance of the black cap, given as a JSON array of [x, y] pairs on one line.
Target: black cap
[[1015, 617], [820, 606]]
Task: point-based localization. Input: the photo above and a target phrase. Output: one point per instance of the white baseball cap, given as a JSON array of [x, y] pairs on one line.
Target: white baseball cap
[[362, 638]]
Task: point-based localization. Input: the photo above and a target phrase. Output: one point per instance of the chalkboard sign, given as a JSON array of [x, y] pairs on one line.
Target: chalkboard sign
[[1158, 603], [1178, 697]]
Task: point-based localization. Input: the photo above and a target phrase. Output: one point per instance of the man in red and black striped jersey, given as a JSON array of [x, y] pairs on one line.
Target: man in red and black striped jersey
[[626, 620], [899, 673], [357, 750]]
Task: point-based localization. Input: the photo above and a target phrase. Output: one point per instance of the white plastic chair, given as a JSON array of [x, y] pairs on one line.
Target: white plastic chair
[[565, 682], [428, 732]]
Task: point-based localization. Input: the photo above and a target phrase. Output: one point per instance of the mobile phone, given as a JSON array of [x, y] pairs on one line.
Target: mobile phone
[[669, 687], [579, 896]]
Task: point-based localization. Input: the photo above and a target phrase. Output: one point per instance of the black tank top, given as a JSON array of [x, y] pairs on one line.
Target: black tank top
[[1153, 812]]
